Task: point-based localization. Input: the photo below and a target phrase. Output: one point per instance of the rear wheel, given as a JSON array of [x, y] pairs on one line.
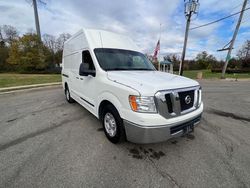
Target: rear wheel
[[67, 95], [113, 124]]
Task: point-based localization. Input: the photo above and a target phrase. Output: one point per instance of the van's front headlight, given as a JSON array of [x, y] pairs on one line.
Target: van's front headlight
[[142, 104]]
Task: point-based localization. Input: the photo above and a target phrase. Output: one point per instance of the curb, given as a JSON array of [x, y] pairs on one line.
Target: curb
[[17, 88], [226, 79]]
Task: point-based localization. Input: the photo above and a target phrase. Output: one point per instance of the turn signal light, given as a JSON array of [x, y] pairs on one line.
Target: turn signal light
[[132, 101]]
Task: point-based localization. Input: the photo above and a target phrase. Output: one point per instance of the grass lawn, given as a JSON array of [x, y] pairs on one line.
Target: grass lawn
[[207, 74], [12, 79]]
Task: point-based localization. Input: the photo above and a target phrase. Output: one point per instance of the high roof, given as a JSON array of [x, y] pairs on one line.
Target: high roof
[[106, 39]]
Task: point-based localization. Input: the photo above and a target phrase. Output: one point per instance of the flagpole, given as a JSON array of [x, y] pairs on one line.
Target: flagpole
[[159, 66], [160, 32]]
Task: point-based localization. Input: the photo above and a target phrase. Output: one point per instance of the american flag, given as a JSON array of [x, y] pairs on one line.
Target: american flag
[[157, 49]]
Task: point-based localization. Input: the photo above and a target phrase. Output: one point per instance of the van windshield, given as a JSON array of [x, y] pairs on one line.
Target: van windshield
[[117, 59]]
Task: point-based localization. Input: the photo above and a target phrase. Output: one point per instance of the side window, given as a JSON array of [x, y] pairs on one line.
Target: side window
[[87, 60]]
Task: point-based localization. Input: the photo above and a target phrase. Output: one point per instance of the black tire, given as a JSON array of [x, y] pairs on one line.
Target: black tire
[[119, 135], [67, 95]]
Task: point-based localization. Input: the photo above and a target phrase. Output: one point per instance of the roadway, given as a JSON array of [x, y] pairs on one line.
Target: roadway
[[47, 142]]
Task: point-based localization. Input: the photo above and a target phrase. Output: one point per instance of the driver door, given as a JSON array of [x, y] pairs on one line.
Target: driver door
[[87, 83]]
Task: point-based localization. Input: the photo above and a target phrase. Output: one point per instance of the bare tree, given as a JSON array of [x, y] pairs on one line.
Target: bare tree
[[60, 41], [244, 52], [8, 33], [174, 58], [1, 35], [31, 31], [50, 42]]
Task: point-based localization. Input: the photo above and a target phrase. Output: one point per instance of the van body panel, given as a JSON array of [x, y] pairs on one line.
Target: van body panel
[[117, 86]]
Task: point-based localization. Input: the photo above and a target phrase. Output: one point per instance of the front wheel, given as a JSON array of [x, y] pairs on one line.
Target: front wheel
[[113, 124], [67, 95]]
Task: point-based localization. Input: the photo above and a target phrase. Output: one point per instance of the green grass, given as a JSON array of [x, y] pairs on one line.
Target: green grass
[[207, 74], [12, 79]]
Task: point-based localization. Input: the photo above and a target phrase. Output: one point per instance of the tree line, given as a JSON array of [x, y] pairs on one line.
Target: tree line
[[27, 53], [204, 60]]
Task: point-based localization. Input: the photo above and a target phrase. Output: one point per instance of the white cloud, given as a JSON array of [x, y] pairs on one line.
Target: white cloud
[[138, 19]]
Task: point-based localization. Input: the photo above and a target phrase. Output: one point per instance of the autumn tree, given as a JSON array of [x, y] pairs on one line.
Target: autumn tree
[[7, 35], [205, 60], [28, 54], [4, 53]]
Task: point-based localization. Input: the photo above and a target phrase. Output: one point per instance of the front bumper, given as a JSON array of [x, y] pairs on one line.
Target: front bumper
[[152, 134]]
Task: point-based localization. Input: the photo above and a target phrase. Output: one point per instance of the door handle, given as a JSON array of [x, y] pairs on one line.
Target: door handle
[[77, 77]]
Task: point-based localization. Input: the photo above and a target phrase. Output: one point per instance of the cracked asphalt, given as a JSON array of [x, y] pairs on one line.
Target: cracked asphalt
[[46, 142]]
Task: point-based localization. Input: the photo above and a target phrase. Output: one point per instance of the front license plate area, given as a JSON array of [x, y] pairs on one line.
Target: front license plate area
[[185, 127], [189, 128]]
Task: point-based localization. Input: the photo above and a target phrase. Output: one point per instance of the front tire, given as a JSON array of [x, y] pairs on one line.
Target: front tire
[[113, 124], [68, 96]]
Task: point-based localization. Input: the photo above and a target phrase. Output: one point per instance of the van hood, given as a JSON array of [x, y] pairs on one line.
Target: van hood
[[147, 83]]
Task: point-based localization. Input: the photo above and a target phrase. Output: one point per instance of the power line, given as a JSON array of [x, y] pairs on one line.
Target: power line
[[219, 19], [237, 6], [245, 20]]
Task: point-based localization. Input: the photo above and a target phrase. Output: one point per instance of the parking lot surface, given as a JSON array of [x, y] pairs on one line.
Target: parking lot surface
[[47, 142]]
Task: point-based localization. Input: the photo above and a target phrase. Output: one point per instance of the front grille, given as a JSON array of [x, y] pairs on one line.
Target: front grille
[[173, 103], [184, 126], [186, 99]]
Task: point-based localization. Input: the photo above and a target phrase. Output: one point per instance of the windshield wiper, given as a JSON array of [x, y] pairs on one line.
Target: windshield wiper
[[116, 69], [129, 69], [142, 69]]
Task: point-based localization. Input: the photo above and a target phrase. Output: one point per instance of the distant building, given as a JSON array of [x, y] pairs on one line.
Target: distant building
[[166, 66]]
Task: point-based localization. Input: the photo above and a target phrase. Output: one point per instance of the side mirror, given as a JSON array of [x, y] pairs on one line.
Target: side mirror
[[84, 70]]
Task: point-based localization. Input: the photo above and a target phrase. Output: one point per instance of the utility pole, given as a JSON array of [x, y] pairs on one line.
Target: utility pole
[[185, 45], [36, 19], [191, 7], [233, 40]]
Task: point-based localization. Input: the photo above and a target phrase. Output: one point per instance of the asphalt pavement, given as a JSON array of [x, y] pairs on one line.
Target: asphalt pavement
[[47, 142]]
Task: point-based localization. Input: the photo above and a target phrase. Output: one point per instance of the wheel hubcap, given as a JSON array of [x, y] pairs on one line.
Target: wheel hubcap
[[67, 94], [110, 124]]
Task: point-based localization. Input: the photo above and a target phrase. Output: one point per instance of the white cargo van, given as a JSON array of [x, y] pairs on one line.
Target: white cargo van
[[108, 75]]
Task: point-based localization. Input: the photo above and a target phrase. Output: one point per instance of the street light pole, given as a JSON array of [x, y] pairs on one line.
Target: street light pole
[[191, 7]]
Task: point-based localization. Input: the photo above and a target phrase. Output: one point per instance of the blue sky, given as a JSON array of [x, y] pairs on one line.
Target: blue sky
[[140, 19]]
